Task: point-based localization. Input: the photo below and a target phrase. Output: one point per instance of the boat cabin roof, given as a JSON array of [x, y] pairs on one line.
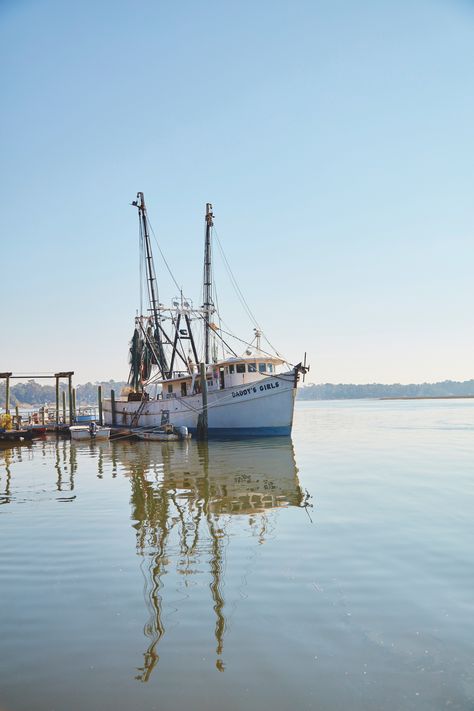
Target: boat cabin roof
[[177, 378], [252, 358]]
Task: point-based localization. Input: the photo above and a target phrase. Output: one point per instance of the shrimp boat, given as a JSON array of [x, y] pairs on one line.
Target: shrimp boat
[[238, 394]]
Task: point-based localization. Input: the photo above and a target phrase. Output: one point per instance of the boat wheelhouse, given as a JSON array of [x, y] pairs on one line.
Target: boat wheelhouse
[[227, 373]]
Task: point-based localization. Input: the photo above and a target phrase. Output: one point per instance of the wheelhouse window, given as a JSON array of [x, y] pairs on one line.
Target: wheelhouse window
[[270, 367], [252, 367], [170, 388], [240, 367], [231, 369], [262, 367], [184, 390], [227, 370]]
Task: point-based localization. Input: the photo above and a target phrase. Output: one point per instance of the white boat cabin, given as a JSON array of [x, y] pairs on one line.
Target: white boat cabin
[[224, 374]]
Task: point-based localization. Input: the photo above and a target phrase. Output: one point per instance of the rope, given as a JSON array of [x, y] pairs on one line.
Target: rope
[[142, 262], [219, 336], [239, 291], [219, 317], [163, 256], [270, 355]]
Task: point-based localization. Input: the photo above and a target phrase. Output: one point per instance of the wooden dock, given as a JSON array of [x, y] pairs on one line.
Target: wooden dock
[[17, 435]]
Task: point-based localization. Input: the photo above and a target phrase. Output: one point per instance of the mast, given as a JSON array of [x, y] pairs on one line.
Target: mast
[[151, 281], [208, 305]]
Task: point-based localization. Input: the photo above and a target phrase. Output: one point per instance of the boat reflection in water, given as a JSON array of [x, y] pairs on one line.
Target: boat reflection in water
[[188, 499], [58, 451], [184, 498]]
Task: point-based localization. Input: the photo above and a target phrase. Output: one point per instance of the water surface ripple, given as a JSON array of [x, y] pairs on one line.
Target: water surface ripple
[[331, 571]]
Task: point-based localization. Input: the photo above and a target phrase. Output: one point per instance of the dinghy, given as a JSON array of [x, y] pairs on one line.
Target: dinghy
[[84, 432]]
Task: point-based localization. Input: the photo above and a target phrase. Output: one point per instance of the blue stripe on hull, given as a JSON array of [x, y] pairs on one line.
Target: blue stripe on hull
[[238, 432]]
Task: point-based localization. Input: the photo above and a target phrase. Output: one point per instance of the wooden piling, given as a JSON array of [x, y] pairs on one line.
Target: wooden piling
[[74, 403], [69, 387], [99, 399], [7, 393], [202, 427], [64, 374], [114, 409], [57, 400], [17, 418]]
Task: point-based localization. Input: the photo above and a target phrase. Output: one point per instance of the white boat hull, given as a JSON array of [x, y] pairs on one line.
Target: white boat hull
[[262, 408], [81, 432]]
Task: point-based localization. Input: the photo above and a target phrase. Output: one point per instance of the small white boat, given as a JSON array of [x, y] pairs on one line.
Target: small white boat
[[168, 433], [84, 432]]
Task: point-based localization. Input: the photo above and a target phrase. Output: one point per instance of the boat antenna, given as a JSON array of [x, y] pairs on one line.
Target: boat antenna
[[208, 305], [258, 335], [151, 280]]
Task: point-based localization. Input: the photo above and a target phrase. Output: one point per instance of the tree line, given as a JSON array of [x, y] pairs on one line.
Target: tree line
[[32, 393], [349, 391]]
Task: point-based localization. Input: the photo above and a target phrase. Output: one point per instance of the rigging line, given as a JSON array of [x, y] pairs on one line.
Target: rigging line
[[219, 336], [163, 256], [271, 355], [150, 268], [142, 263], [229, 332], [261, 349], [219, 317], [234, 281], [232, 336], [239, 292], [152, 380], [231, 350]]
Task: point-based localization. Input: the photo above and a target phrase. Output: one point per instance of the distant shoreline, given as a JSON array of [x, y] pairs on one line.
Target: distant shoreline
[[427, 397], [32, 395], [379, 398], [446, 389]]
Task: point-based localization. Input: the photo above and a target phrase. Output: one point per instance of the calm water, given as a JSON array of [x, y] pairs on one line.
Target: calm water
[[332, 572]]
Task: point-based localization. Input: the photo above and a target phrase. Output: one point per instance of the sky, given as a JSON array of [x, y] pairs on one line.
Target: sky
[[334, 138]]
